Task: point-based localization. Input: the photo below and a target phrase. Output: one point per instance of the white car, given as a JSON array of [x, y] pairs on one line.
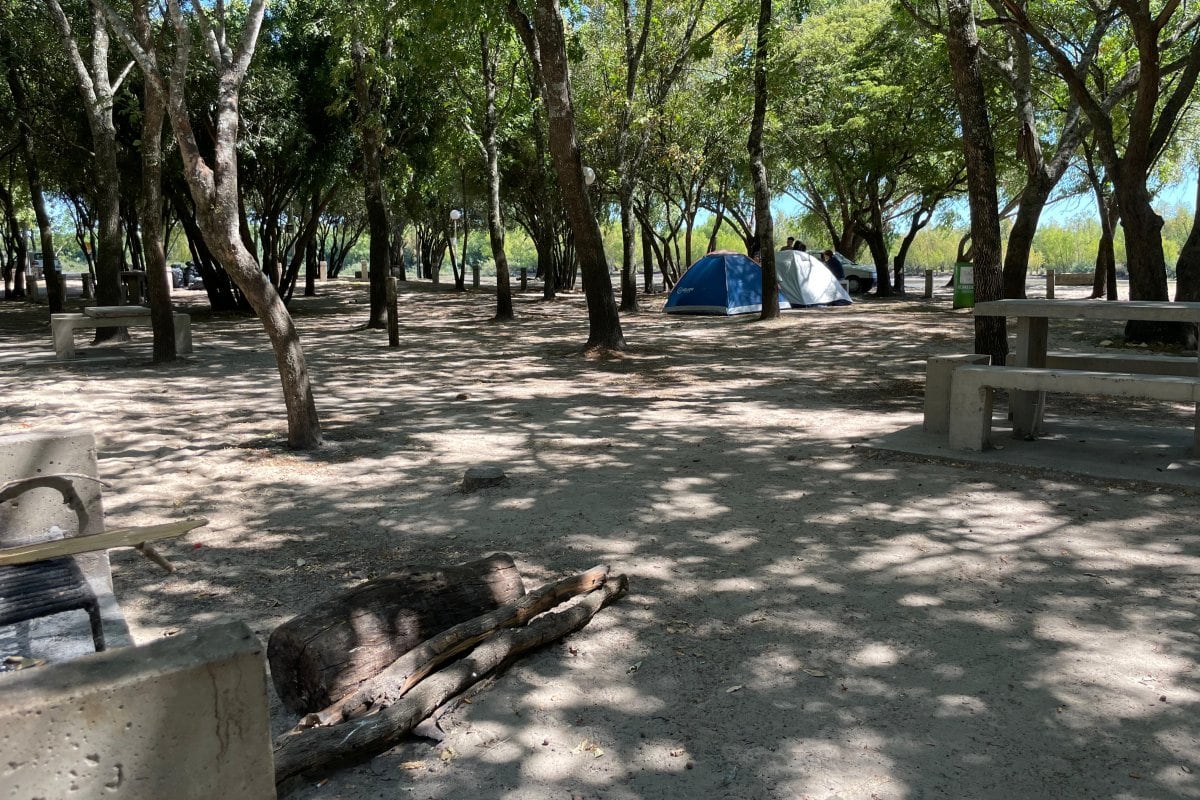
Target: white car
[[860, 278]]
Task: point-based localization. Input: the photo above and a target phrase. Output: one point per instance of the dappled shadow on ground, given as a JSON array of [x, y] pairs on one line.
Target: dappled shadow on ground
[[806, 619]]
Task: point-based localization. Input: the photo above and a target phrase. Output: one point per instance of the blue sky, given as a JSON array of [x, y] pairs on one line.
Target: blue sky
[[1182, 193]]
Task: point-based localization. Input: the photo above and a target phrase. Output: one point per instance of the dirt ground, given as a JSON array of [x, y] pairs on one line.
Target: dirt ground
[[807, 618]]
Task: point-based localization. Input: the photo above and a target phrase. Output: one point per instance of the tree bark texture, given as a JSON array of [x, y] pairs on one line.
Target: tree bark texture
[[1187, 269], [1041, 176], [504, 303], [158, 281], [326, 653], [628, 250], [1146, 262], [764, 222], [962, 41], [319, 749], [214, 188], [55, 294], [604, 324], [370, 131], [96, 93]]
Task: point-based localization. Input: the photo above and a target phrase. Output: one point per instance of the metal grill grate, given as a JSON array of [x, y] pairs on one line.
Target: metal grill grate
[[30, 591]]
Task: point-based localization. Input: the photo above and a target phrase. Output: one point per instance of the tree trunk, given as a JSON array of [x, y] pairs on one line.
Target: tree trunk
[[325, 653], [920, 219], [876, 238], [1106, 259], [877, 246], [764, 222], [1187, 269], [55, 294], [221, 232], [96, 93], [51, 276], [628, 248], [1020, 239], [158, 279], [647, 260], [370, 128], [19, 256], [962, 42], [604, 323], [110, 255], [214, 189], [504, 303], [1144, 255]]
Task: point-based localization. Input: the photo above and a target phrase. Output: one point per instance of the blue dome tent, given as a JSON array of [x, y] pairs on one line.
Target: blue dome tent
[[720, 283]]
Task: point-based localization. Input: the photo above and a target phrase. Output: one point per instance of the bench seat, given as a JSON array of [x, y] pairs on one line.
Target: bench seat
[[972, 389], [63, 326], [1139, 363]]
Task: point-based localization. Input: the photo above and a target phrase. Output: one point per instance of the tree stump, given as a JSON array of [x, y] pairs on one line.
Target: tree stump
[[320, 656]]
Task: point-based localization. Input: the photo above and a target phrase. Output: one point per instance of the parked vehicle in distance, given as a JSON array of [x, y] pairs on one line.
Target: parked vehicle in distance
[[860, 278]]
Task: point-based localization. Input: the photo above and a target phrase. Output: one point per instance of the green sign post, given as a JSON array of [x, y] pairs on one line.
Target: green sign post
[[964, 285]]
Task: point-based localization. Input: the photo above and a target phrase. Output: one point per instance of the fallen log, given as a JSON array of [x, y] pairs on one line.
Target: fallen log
[[405, 672], [320, 749], [320, 656]]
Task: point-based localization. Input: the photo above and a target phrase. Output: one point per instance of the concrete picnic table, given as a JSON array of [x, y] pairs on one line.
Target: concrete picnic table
[[1032, 336]]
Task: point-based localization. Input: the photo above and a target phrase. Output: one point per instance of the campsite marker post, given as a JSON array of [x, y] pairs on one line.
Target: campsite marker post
[[393, 313]]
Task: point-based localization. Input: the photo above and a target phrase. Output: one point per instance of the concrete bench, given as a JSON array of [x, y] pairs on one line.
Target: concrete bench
[[1137, 363], [63, 326], [938, 370], [972, 388], [1072, 278], [183, 718]]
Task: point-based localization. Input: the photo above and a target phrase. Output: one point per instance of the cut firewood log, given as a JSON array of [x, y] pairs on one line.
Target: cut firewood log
[[314, 750], [405, 672], [320, 656]]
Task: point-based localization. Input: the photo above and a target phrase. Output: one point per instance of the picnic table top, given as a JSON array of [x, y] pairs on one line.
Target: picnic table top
[[1154, 310]]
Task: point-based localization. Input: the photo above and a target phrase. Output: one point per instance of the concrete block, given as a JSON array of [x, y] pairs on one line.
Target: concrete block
[[970, 425], [938, 372], [29, 518], [45, 452], [183, 718]]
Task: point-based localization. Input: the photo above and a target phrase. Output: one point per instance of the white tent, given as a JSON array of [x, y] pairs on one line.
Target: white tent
[[805, 281]]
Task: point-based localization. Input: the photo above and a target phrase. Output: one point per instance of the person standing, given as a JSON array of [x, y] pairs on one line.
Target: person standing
[[834, 265]]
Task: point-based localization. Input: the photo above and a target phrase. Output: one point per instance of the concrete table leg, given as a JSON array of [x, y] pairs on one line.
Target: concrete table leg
[[1027, 407], [62, 334], [183, 333]]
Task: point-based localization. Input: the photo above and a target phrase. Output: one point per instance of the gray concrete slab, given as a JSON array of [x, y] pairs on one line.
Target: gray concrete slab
[[1095, 448], [183, 718], [30, 517]]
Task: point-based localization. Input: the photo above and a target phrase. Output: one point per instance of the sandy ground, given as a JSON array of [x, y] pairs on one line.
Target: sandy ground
[[808, 617]]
